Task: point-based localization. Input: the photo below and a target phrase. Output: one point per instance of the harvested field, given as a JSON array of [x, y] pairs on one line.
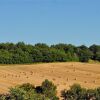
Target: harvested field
[[62, 74]]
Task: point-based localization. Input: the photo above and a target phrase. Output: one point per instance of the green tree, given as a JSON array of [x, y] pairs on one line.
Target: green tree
[[49, 90], [95, 49]]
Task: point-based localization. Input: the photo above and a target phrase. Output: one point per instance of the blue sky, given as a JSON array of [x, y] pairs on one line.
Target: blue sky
[[50, 21]]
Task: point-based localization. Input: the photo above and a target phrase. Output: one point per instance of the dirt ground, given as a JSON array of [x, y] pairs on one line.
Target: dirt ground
[[62, 74]]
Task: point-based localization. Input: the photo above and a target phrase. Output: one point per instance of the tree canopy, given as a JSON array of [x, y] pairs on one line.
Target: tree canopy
[[21, 53]]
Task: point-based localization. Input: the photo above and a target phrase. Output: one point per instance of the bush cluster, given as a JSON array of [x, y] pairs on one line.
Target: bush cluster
[[76, 92], [27, 91], [21, 53], [48, 91]]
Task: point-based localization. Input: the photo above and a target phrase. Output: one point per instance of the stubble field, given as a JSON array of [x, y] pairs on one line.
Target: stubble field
[[62, 75]]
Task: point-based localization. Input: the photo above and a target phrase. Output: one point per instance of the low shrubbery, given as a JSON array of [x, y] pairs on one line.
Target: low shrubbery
[[47, 91], [76, 92]]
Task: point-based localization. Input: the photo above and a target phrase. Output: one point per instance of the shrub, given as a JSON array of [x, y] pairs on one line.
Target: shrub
[[49, 90], [76, 92], [28, 91]]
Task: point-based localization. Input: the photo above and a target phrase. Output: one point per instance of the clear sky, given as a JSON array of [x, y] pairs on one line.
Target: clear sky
[[50, 21]]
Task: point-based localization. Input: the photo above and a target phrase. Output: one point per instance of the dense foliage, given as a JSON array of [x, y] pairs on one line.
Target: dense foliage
[[24, 53], [76, 92], [47, 91]]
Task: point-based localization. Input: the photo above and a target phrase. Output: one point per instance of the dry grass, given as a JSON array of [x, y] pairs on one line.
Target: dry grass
[[62, 74]]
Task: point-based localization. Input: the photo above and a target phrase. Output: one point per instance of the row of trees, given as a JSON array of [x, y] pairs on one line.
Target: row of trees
[[47, 91], [24, 53]]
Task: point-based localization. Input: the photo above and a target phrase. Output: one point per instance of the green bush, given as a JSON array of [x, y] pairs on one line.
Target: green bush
[[49, 90], [76, 92], [27, 91]]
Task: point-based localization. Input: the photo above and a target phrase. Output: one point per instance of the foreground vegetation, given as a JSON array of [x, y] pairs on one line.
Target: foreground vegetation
[[22, 53], [47, 91], [76, 92]]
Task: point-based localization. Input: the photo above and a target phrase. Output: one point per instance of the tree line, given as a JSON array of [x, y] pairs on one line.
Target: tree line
[[21, 53], [48, 91]]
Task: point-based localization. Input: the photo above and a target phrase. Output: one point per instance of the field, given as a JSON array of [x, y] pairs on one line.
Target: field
[[62, 74]]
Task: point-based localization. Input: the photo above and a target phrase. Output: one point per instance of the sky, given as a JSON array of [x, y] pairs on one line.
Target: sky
[[50, 21]]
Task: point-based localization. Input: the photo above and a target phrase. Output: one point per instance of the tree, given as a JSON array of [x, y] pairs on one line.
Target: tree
[[95, 49], [76, 92], [36, 55], [28, 91], [49, 90], [85, 55], [97, 56], [21, 53], [41, 45], [27, 87], [19, 57], [5, 57]]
